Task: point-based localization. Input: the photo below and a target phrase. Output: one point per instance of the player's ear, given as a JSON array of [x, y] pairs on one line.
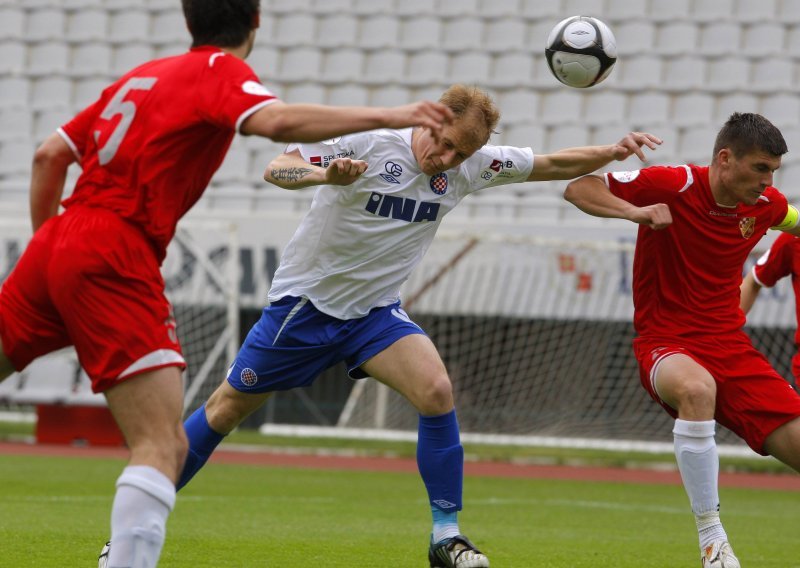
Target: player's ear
[[256, 20]]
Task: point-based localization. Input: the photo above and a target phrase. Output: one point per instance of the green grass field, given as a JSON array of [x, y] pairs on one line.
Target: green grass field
[[54, 512]]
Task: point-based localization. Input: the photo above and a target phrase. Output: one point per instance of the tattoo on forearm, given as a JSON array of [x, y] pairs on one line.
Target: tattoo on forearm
[[289, 174]]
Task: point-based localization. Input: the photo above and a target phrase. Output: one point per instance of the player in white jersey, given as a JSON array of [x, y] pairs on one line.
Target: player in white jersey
[[335, 296]]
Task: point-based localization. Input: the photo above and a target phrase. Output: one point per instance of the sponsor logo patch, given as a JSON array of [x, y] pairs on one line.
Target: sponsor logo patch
[[625, 177], [254, 88], [393, 169]]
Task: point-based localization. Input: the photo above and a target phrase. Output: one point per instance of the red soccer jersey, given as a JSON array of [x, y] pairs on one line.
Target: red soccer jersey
[[150, 144], [783, 259], [686, 277]]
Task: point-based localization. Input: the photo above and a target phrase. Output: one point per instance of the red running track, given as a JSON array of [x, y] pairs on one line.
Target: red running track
[[267, 458]]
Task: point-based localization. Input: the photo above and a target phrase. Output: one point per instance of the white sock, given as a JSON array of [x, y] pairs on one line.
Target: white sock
[[698, 462], [144, 499], [709, 529]]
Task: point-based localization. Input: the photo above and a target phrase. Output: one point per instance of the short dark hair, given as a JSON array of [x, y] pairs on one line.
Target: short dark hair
[[222, 23], [745, 132]]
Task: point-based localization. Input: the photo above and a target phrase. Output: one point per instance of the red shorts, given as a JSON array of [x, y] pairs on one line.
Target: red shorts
[[753, 400], [89, 279]]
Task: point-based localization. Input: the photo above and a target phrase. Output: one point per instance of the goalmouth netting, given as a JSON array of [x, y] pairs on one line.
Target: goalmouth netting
[[536, 336]]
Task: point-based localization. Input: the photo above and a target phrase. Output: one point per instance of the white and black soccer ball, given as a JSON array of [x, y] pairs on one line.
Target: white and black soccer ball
[[581, 51]]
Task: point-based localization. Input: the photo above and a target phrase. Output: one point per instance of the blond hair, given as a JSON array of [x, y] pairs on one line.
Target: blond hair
[[471, 103]]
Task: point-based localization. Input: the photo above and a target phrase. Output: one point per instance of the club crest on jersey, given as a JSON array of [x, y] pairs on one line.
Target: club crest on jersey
[[747, 225], [439, 184]]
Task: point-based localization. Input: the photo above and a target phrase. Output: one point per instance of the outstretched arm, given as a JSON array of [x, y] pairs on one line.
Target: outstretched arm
[[749, 291], [573, 162], [591, 195], [50, 163], [291, 171], [283, 122]]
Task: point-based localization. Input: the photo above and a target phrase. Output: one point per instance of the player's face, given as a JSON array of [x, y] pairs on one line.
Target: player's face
[[455, 144], [744, 178]]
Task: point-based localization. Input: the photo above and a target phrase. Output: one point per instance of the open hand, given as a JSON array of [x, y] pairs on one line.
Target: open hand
[[424, 113], [632, 144]]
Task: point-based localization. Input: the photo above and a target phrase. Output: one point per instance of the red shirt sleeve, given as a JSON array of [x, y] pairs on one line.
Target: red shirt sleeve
[[656, 184], [230, 91], [776, 263], [79, 129]]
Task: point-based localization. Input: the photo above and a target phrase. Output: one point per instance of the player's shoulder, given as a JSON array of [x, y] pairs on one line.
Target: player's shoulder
[[772, 194], [387, 140], [389, 135], [681, 176]]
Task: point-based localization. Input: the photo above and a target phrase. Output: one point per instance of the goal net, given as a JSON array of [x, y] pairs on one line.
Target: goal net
[[201, 277], [536, 336]]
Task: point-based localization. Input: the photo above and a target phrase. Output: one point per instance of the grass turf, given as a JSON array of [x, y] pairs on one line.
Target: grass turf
[[54, 512]]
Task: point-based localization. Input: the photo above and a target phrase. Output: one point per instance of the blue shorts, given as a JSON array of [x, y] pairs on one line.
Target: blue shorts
[[294, 342]]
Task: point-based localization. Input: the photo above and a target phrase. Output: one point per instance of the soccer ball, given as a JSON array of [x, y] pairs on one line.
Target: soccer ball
[[581, 51]]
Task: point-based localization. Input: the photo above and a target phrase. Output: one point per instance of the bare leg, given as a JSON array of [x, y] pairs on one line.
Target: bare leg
[[412, 367], [784, 444], [148, 410], [226, 408], [209, 424], [689, 388]]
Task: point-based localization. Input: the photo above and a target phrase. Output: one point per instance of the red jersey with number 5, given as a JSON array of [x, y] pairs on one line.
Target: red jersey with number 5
[[153, 140], [686, 277]]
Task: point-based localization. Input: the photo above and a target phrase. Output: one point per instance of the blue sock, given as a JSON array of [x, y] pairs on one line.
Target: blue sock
[[440, 458], [202, 442]]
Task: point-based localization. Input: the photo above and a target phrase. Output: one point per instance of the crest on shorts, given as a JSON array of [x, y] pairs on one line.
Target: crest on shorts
[[248, 376], [747, 225]]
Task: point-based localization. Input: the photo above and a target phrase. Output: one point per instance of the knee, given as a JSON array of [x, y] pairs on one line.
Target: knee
[[696, 398], [437, 396]]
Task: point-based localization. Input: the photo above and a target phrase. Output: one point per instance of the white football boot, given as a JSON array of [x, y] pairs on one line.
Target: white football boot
[[719, 554]]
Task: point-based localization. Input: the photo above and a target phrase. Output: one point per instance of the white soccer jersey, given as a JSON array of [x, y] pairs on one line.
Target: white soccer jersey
[[358, 243]]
